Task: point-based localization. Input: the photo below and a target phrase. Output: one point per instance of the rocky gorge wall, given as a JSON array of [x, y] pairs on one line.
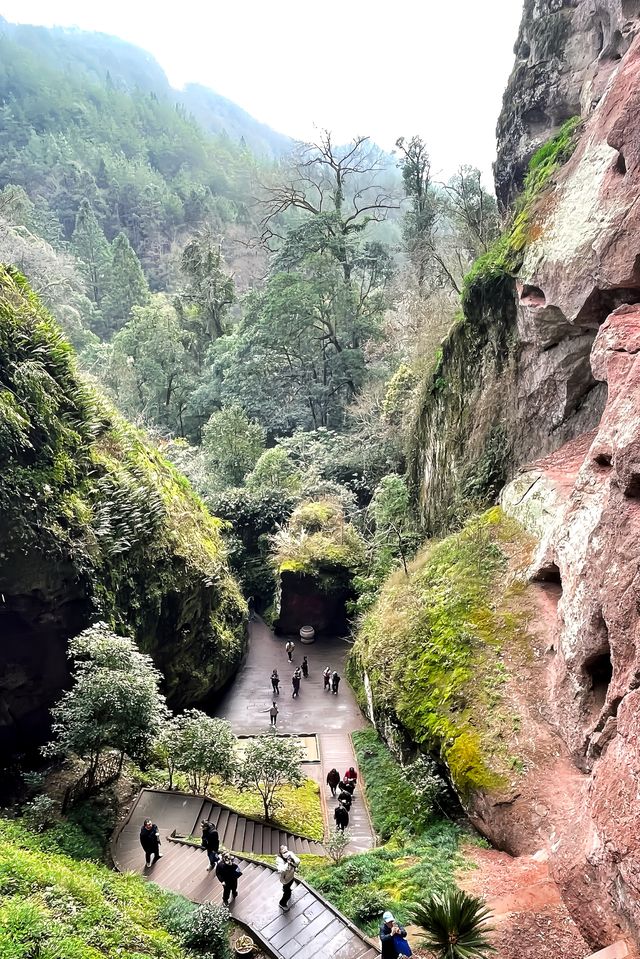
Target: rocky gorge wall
[[95, 525], [565, 393]]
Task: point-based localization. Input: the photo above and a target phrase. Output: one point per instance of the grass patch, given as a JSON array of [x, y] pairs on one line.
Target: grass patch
[[432, 649], [54, 906]]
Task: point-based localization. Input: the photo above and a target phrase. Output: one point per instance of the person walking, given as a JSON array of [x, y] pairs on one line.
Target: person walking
[[335, 682], [290, 648], [210, 842], [150, 842], [333, 778], [275, 682], [347, 786], [273, 714], [326, 678], [295, 682], [345, 800], [391, 935], [351, 776], [305, 667], [341, 817], [286, 864], [228, 873]]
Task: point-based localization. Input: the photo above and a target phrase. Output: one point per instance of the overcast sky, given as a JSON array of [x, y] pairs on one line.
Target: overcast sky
[[432, 67]]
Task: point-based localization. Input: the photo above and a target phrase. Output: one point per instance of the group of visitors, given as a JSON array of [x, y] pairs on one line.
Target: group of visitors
[[331, 681], [342, 789]]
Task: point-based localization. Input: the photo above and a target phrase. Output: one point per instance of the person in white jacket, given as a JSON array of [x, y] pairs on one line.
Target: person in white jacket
[[286, 864]]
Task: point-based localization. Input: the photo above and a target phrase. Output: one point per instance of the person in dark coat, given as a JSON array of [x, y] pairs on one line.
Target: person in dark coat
[[295, 682], [150, 842], [347, 787], [341, 817], [210, 842], [333, 778], [275, 682], [345, 800], [227, 873], [305, 667], [335, 682], [388, 931], [326, 678]]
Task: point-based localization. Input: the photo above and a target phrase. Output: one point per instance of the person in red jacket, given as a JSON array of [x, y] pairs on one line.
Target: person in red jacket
[[351, 776]]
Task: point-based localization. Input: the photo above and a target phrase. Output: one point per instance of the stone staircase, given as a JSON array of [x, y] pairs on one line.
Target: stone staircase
[[311, 929]]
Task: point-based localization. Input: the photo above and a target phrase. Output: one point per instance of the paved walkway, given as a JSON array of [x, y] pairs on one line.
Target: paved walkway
[[311, 929], [332, 718]]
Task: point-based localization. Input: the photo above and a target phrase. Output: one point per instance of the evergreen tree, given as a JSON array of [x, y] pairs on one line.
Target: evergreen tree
[[92, 249], [128, 287]]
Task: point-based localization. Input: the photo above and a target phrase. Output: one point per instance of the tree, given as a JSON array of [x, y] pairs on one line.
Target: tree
[[336, 844], [419, 221], [268, 764], [199, 746], [92, 249], [391, 508], [456, 925], [473, 210], [128, 287], [275, 470], [232, 444], [151, 371], [114, 702], [209, 291]]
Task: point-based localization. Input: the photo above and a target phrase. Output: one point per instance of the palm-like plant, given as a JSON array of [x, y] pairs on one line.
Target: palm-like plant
[[456, 925]]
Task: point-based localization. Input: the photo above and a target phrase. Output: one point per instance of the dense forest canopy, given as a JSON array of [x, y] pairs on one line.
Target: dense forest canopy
[[267, 309]]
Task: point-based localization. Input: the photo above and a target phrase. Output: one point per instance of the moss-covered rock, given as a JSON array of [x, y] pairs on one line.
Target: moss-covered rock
[[96, 524], [431, 650]]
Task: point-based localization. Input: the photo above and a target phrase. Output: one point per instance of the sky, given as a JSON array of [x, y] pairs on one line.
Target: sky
[[435, 68]]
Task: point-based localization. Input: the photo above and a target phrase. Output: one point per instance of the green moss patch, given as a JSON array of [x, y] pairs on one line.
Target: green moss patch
[[505, 256], [432, 644]]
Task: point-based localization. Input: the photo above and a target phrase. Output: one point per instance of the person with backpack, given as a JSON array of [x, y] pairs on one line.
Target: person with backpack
[[393, 938], [290, 648], [210, 842], [228, 874], [326, 678], [333, 778], [345, 799], [347, 787], [305, 667], [335, 682], [273, 714], [150, 842], [275, 682], [286, 864], [341, 817], [295, 682]]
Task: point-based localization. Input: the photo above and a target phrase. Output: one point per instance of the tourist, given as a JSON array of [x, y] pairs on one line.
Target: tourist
[[393, 938], [345, 799], [341, 817], [290, 648], [333, 778], [275, 682], [273, 714], [227, 873], [286, 864], [348, 787], [351, 776], [305, 667], [150, 842], [335, 682], [326, 676], [295, 682], [210, 842]]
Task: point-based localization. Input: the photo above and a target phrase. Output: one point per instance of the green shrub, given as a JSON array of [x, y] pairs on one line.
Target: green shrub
[[366, 902], [207, 930]]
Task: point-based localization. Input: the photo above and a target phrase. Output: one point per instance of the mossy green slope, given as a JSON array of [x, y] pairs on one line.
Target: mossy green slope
[[55, 907], [96, 523], [431, 647]]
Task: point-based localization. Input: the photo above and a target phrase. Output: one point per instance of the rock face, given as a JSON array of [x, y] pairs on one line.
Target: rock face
[[566, 52], [95, 525]]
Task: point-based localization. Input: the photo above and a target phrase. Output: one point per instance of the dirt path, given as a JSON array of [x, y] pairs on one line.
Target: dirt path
[[331, 718]]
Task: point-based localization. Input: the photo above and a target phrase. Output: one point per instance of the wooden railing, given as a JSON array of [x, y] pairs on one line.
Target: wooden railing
[[107, 771]]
